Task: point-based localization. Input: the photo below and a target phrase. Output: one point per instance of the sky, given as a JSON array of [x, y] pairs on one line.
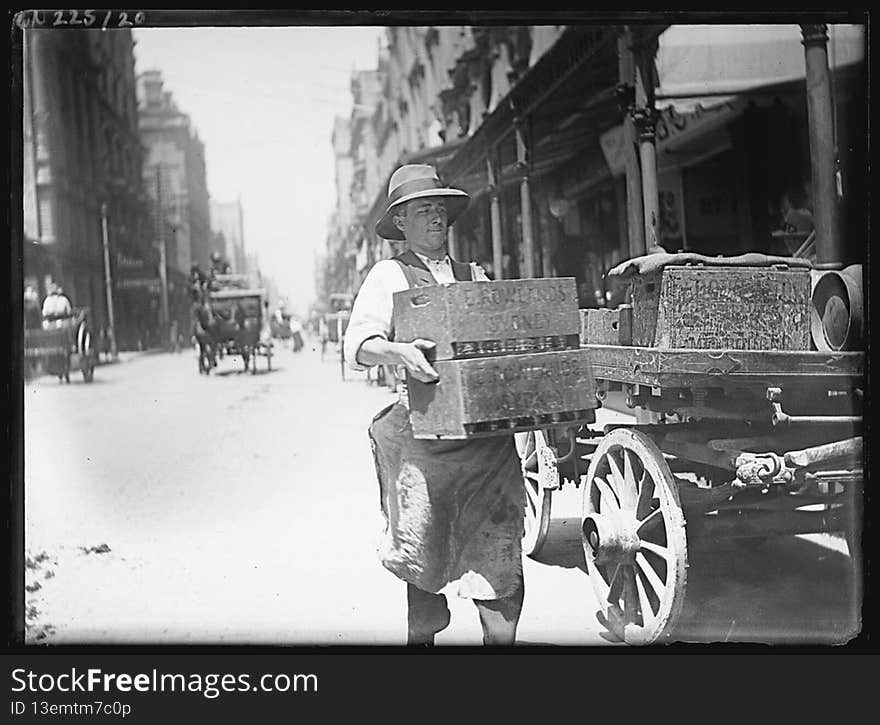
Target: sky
[[263, 102]]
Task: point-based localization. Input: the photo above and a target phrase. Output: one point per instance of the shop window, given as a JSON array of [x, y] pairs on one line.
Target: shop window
[[710, 207]]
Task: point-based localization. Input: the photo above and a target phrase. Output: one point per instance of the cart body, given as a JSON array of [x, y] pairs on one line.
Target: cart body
[[63, 346]]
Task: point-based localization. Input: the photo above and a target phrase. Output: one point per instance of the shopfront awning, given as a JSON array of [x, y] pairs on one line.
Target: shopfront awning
[[698, 61], [709, 74], [563, 100], [699, 129]]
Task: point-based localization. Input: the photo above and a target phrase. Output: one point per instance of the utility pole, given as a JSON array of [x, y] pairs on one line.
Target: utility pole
[[108, 283], [163, 274]]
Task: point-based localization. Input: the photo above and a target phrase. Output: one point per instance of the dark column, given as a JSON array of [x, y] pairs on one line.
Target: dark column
[[829, 253], [645, 120], [626, 99]]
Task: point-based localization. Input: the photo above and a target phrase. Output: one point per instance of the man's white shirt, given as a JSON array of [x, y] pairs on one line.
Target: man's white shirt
[[56, 306], [373, 310]]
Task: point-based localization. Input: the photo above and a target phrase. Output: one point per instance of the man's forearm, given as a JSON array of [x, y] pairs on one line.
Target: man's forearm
[[378, 351]]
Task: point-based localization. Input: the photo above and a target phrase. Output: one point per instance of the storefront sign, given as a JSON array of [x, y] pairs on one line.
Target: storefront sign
[[123, 261], [148, 283], [674, 130]]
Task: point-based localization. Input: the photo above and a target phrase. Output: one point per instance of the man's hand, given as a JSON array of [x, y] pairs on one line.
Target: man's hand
[[412, 356]]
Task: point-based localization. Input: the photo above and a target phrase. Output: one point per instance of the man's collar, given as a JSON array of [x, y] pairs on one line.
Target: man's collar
[[426, 260]]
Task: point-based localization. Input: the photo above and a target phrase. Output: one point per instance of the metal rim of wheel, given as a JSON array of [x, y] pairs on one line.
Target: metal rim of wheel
[[633, 534], [535, 457]]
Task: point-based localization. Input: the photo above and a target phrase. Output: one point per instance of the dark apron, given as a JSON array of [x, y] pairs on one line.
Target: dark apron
[[453, 509]]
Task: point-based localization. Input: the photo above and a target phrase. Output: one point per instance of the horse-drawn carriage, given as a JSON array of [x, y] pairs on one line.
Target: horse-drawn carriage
[[748, 425], [65, 345], [229, 320]]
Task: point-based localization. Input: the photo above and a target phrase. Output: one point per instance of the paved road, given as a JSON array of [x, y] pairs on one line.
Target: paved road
[[167, 507]]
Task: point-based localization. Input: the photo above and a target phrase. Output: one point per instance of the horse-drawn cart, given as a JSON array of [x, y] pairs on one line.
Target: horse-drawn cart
[[230, 321], [334, 325], [63, 346], [729, 441]]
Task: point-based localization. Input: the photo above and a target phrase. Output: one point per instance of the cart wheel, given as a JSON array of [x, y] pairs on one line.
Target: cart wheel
[[538, 463], [634, 538]]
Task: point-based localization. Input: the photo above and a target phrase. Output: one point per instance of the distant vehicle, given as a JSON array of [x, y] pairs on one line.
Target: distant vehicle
[[229, 321], [64, 347], [335, 324]]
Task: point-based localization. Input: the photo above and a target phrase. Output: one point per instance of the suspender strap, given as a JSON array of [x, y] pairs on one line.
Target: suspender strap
[[418, 275], [461, 271], [415, 271]]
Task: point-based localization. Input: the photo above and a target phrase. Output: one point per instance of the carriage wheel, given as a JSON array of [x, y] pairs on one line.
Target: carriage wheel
[[634, 538], [538, 463]]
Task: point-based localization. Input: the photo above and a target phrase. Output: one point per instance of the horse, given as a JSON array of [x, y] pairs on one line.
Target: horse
[[203, 327]]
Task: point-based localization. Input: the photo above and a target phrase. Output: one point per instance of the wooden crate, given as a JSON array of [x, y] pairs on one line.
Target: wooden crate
[[735, 308], [478, 319], [503, 394], [605, 326]]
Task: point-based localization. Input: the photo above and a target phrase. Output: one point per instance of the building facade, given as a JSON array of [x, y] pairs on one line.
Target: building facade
[[174, 168], [82, 153], [227, 220], [430, 91], [544, 126]]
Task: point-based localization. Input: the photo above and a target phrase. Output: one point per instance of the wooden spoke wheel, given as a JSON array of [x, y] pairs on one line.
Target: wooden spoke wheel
[[540, 477], [634, 538]]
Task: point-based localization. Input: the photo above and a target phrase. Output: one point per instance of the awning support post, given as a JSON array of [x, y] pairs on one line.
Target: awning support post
[[645, 121], [829, 253], [525, 197], [495, 217], [626, 100]]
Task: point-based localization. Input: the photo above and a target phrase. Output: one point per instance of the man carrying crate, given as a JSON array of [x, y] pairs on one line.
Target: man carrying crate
[[453, 508]]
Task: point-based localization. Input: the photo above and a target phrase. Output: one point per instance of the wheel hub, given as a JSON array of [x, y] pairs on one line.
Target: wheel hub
[[611, 538]]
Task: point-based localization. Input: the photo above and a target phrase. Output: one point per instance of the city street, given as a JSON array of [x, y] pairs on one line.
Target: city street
[[164, 506]]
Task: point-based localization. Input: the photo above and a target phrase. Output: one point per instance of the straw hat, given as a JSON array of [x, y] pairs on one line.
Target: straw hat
[[415, 181]]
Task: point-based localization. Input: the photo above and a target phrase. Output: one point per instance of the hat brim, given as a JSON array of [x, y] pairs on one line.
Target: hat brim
[[456, 202]]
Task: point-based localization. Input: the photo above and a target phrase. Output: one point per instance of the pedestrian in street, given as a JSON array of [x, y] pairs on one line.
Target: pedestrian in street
[[32, 314], [453, 509], [56, 307]]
